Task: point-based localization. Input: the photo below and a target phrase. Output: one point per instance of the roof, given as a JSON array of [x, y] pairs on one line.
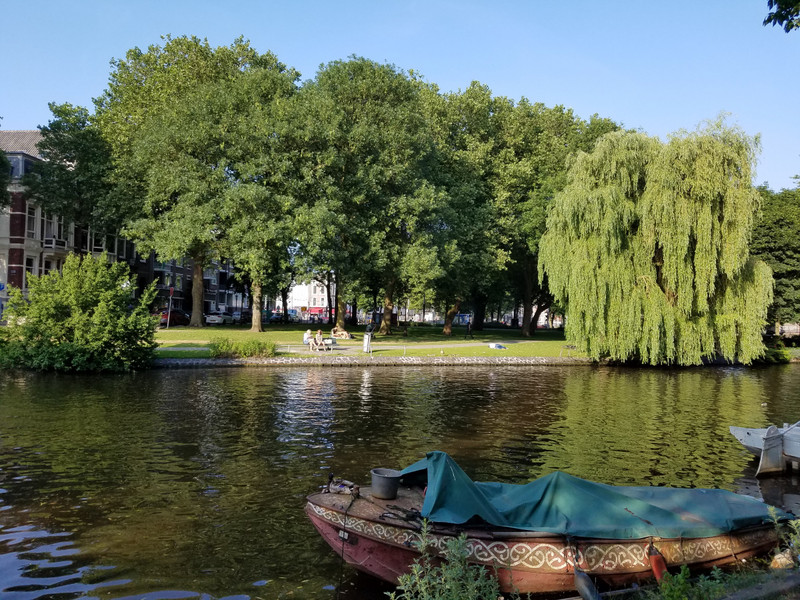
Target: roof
[[20, 141]]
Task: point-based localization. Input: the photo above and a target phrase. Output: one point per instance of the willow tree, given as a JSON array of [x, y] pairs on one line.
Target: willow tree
[[647, 247]]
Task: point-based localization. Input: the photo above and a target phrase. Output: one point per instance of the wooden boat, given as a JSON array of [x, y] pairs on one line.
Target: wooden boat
[[381, 536], [775, 446]]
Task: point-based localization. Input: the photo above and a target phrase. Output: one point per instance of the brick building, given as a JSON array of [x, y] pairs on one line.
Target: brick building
[[33, 241]]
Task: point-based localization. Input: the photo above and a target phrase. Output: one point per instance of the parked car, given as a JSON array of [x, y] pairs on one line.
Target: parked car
[[219, 318], [292, 316], [176, 317], [242, 316]]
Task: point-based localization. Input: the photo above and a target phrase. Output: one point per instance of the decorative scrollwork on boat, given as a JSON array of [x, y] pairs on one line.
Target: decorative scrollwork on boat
[[526, 555], [614, 557], [609, 557]]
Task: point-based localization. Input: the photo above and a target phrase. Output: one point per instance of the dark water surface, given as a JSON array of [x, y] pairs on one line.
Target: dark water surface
[[191, 484]]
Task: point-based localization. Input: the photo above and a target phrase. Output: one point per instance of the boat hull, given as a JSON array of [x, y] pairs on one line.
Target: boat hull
[[775, 446], [372, 536]]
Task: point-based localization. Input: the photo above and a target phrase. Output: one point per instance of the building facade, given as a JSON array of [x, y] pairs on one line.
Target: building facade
[[35, 242]]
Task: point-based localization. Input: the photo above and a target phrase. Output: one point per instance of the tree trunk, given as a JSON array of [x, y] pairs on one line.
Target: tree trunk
[[339, 303], [197, 293], [539, 310], [353, 320], [255, 305], [285, 304], [479, 318], [448, 318], [527, 301], [341, 306], [331, 300], [388, 306]]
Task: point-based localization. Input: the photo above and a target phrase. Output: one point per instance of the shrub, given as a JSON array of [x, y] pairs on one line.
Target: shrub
[[452, 578], [227, 348], [776, 355], [82, 319]]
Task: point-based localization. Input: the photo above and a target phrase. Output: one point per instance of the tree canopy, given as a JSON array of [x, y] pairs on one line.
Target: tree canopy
[[173, 116], [647, 246], [776, 241], [369, 177], [74, 180], [366, 201], [785, 13]]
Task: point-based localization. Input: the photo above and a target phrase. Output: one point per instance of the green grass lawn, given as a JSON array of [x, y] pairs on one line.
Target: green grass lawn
[[409, 342]]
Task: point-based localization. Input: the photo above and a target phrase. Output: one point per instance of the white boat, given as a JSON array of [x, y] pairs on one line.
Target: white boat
[[776, 446]]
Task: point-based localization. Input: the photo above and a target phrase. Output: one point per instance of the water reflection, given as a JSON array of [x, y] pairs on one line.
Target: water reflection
[[191, 484]]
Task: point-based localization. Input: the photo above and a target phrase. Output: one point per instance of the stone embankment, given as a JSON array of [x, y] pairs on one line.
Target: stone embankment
[[334, 360]]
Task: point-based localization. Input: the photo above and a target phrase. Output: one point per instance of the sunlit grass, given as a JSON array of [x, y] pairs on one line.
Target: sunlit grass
[[411, 341], [519, 349]]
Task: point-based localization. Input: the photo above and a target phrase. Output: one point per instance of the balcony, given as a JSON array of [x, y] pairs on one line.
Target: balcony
[[55, 243]]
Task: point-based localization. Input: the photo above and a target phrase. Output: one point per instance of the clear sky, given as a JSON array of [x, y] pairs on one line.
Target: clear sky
[[657, 66]]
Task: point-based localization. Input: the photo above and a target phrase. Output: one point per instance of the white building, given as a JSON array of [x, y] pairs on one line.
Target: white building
[[308, 299]]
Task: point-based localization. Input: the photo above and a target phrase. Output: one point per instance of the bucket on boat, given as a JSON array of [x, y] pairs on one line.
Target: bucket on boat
[[384, 483]]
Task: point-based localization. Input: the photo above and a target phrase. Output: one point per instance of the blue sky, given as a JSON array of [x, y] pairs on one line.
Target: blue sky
[[655, 66]]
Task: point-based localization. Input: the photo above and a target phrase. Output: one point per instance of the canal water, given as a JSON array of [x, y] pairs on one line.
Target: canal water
[[191, 483]]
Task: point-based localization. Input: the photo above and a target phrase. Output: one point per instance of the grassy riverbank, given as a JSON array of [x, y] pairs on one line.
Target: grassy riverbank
[[188, 342]]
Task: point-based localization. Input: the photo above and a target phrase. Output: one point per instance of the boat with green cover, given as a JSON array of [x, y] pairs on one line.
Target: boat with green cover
[[537, 536]]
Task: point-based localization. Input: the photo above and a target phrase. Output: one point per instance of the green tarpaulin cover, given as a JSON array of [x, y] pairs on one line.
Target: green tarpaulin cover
[[562, 504]]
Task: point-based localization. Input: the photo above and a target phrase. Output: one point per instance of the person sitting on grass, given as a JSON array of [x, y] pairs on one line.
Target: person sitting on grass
[[338, 333]]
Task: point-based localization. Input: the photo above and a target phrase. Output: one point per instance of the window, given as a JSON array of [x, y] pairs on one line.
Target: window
[[31, 222], [30, 268], [48, 231], [97, 242]]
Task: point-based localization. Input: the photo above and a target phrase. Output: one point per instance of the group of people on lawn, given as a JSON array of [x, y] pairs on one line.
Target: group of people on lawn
[[317, 342]]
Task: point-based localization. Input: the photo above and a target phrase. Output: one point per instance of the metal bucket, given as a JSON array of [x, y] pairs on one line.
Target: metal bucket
[[384, 483]]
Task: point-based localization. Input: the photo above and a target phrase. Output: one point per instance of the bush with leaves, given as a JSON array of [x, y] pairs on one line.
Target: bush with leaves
[[451, 578], [82, 319], [227, 348]]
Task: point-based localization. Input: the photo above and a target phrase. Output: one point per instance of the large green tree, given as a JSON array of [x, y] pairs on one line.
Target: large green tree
[[74, 180], [534, 142], [647, 246], [776, 241], [259, 211], [365, 150], [170, 147], [464, 270]]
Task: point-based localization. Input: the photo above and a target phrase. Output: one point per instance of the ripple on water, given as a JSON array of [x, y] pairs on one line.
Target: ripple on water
[[192, 483]]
